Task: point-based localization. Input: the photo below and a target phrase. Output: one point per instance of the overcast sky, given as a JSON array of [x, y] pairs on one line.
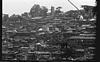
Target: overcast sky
[[20, 6]]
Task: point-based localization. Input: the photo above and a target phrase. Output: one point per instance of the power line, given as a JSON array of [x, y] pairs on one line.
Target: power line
[[73, 5], [81, 17]]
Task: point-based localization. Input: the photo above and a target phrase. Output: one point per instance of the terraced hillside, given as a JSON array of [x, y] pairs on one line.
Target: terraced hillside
[[44, 39]]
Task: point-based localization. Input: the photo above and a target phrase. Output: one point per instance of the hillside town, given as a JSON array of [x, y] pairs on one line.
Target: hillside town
[[40, 35]]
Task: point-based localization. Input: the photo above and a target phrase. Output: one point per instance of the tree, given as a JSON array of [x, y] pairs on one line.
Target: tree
[[5, 17], [14, 18], [58, 8], [25, 14], [58, 11], [88, 10], [44, 11], [35, 10]]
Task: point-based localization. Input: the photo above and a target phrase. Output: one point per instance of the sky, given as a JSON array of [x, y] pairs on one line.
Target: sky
[[20, 6]]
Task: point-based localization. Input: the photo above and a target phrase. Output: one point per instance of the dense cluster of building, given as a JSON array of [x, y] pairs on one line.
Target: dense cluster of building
[[56, 36]]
